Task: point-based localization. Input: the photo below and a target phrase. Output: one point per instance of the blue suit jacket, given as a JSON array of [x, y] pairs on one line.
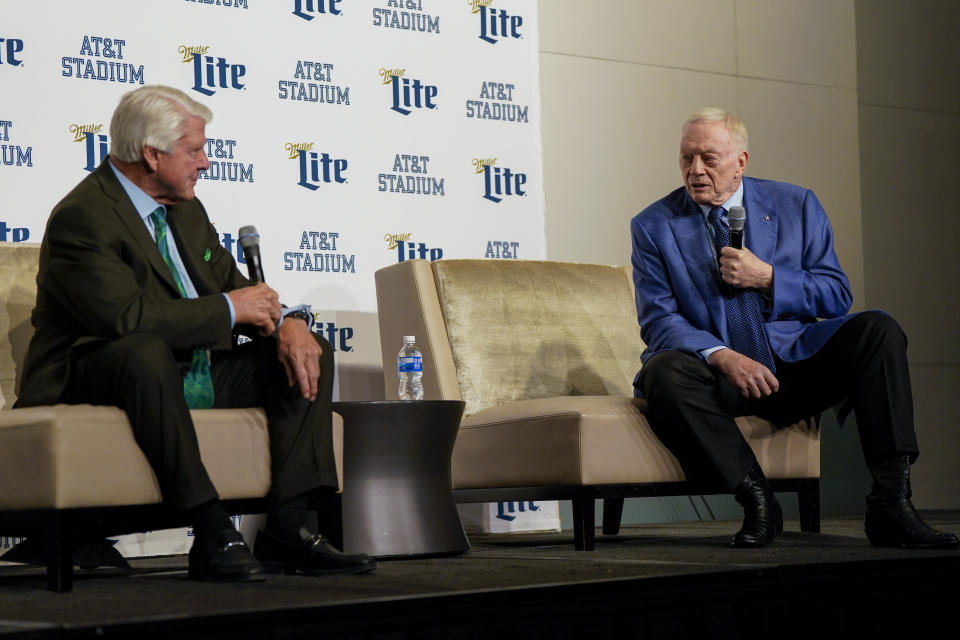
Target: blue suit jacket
[[679, 304]]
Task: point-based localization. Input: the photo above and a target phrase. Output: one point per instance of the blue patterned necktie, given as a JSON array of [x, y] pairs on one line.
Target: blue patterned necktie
[[198, 383], [744, 320]]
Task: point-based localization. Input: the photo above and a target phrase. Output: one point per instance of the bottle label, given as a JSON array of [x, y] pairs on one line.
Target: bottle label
[[409, 364]]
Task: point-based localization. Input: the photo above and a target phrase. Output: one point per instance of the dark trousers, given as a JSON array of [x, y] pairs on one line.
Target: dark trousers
[[140, 374], [692, 406]]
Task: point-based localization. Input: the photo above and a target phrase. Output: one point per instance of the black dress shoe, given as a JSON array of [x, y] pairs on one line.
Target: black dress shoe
[[901, 526], [223, 557], [891, 519], [311, 555], [762, 515]]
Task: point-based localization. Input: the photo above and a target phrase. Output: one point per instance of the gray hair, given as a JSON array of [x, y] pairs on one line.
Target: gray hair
[[714, 115], [151, 115]]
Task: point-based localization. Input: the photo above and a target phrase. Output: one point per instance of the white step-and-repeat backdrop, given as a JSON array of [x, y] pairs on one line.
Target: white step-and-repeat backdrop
[[352, 133]]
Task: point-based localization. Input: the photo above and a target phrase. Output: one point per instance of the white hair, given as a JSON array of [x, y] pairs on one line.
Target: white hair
[[152, 115], [714, 115]]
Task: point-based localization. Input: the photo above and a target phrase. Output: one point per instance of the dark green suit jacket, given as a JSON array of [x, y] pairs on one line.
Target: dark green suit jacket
[[101, 277]]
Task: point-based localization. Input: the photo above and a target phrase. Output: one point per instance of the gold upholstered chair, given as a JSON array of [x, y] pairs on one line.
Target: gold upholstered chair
[[544, 355]]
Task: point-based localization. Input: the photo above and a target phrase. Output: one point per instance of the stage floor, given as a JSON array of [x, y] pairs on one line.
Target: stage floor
[[647, 578]]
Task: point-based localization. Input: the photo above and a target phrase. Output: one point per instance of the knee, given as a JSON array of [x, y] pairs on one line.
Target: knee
[[670, 374], [881, 329], [144, 351], [144, 358]]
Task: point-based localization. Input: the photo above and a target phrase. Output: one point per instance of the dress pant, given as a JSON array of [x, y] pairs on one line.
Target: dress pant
[[140, 374], [692, 406]]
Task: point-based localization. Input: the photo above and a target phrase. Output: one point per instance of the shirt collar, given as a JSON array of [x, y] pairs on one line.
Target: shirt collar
[[143, 203], [736, 200]]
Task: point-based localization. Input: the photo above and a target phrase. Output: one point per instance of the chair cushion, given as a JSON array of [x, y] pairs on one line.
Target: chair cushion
[[66, 456], [594, 440]]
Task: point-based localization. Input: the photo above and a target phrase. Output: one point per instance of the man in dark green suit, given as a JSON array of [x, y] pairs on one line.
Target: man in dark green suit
[[138, 305]]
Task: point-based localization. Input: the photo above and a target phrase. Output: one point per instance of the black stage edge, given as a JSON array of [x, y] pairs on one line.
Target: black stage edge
[[657, 581]]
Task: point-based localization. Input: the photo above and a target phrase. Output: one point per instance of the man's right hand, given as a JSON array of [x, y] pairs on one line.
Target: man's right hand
[[258, 305], [751, 378]]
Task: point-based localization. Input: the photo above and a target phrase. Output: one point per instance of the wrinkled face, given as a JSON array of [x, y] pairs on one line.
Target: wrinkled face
[[175, 173], [711, 162]]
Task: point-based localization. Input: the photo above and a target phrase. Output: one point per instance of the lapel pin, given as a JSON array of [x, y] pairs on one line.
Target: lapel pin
[[765, 219], [206, 255]]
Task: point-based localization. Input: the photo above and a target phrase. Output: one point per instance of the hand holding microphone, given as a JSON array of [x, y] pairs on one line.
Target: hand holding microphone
[[257, 305], [739, 266], [298, 351]]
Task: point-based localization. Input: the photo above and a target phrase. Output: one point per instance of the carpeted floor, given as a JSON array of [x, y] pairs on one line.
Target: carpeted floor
[[680, 555]]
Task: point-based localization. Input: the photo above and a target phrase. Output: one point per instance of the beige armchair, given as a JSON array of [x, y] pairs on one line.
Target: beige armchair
[[66, 469], [544, 355]]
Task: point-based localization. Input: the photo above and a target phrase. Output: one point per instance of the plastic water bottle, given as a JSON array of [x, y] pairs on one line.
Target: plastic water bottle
[[410, 370]]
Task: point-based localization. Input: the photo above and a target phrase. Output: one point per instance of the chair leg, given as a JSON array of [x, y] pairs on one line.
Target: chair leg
[[808, 498], [612, 514], [58, 548], [584, 523]]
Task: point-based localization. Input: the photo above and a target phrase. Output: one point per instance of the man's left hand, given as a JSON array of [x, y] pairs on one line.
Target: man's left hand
[[741, 268], [299, 353]]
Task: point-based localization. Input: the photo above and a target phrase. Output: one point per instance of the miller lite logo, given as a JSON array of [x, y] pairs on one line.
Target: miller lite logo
[[232, 245], [13, 234], [336, 336], [499, 182], [211, 74], [407, 250], [9, 50], [95, 145], [316, 168], [408, 94], [504, 509], [305, 8], [495, 23]]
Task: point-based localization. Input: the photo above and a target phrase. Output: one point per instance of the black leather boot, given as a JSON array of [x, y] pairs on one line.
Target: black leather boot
[[891, 519], [762, 515]]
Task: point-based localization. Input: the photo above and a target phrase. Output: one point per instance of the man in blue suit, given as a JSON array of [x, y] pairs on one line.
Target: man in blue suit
[[763, 330]]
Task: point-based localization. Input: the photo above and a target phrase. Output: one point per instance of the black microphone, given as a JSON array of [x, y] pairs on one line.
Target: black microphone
[[736, 218], [249, 240]]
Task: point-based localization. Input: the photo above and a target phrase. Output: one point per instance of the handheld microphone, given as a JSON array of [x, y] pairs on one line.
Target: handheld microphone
[[249, 240], [736, 218]]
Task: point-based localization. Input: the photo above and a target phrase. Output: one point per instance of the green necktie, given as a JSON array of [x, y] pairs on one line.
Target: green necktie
[[197, 384]]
